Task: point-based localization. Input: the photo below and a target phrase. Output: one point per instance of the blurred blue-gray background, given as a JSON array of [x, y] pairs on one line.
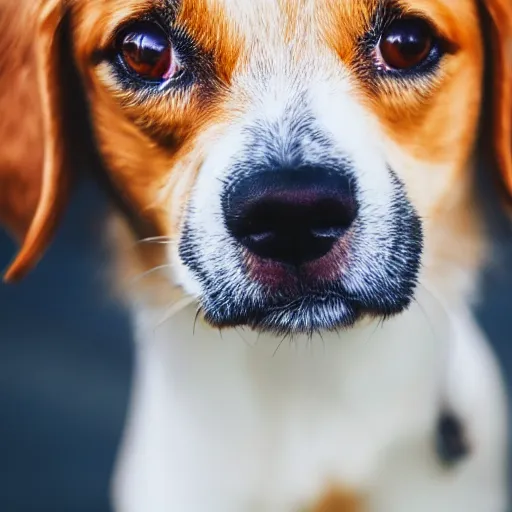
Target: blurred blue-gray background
[[65, 367]]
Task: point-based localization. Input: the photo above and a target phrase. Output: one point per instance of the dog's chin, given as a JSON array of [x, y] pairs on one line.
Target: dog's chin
[[306, 314]]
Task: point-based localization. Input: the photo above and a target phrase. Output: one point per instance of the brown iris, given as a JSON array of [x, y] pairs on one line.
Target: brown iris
[[406, 43], [146, 51]]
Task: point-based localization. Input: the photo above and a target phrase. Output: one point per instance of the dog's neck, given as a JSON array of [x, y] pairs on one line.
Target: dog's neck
[[244, 394], [197, 358]]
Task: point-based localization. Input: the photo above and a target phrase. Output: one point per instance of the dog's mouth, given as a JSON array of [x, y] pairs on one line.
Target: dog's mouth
[[241, 289], [303, 315], [302, 308]]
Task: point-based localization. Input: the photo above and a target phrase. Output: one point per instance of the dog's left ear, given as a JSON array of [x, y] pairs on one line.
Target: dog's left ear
[[500, 19], [59, 106]]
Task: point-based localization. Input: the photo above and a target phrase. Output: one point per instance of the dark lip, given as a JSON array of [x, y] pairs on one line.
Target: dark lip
[[306, 314], [275, 276]]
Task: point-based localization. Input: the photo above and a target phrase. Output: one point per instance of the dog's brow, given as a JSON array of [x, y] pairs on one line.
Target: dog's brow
[[213, 30], [172, 6]]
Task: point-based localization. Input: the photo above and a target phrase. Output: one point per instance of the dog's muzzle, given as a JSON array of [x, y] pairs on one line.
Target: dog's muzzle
[[293, 240]]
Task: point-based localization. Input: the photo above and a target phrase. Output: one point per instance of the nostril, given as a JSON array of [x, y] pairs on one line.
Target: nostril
[[288, 219], [266, 215]]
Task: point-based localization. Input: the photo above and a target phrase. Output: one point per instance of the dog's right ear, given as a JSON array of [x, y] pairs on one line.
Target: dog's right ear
[[32, 200], [499, 13]]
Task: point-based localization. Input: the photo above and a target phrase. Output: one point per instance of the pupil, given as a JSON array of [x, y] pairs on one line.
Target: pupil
[[144, 48], [413, 40], [151, 50]]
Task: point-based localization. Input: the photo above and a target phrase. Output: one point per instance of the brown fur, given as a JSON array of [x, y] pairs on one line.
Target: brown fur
[[500, 12], [125, 128], [21, 147], [153, 149], [337, 501]]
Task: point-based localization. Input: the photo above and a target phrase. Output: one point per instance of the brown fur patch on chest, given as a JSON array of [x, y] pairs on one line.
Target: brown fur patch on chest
[[339, 501]]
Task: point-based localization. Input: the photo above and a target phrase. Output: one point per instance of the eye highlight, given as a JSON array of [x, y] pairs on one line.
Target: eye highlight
[[146, 51]]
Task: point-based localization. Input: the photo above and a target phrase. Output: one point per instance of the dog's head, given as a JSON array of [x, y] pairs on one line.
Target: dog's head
[[305, 158]]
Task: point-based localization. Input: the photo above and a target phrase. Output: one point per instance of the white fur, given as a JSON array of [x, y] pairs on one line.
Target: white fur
[[280, 94], [220, 424]]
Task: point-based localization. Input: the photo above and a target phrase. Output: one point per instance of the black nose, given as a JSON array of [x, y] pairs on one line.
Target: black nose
[[290, 215]]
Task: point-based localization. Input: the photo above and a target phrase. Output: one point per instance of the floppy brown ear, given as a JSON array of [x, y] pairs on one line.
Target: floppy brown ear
[[500, 17], [34, 176]]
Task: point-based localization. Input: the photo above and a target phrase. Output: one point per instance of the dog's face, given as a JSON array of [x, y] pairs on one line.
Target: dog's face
[[301, 155]]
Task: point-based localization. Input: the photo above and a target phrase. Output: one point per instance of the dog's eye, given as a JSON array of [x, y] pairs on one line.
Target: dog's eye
[[406, 43], [146, 50]]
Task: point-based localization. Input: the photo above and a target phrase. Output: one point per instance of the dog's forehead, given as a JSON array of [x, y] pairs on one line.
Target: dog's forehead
[[340, 20], [261, 20], [356, 10]]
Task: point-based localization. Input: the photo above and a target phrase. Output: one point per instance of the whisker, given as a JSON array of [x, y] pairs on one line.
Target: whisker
[[323, 343], [178, 306], [198, 312], [155, 240], [138, 277], [422, 309], [429, 321], [378, 325], [237, 330], [279, 346]]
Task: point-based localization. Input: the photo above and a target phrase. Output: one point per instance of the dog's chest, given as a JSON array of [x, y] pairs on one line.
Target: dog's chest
[[256, 423]]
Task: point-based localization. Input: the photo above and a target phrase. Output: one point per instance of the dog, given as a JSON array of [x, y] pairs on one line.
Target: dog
[[295, 231]]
